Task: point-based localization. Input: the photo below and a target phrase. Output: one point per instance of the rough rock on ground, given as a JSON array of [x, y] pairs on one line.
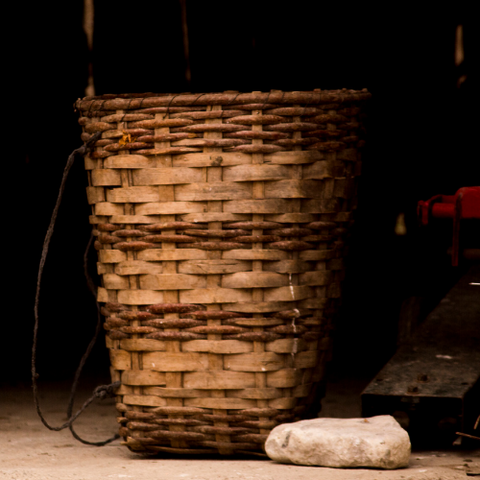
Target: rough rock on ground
[[376, 442]]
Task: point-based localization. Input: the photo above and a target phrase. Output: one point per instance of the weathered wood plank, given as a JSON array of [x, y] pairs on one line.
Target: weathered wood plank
[[111, 281], [95, 195], [293, 157], [172, 282], [290, 293], [254, 362], [254, 280], [143, 377], [210, 191], [308, 359], [220, 403], [213, 267], [215, 159], [317, 278], [259, 206], [287, 266], [214, 217], [175, 362], [111, 256], [161, 255], [134, 219], [286, 378], [257, 307], [169, 208], [120, 359], [316, 255], [285, 403], [313, 303], [144, 400], [219, 379], [256, 173], [142, 345], [293, 189], [137, 267], [106, 177], [175, 392], [129, 162], [259, 393], [286, 345], [214, 295], [291, 217], [102, 295], [167, 176], [133, 195], [223, 347], [139, 297], [265, 255], [317, 170]]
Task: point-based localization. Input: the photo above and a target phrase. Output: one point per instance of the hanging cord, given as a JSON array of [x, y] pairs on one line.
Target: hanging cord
[[103, 390]]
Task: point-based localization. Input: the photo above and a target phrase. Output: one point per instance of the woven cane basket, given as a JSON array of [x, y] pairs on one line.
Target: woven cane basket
[[219, 222]]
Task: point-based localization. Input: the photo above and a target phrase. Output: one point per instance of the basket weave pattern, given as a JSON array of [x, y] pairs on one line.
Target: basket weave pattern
[[219, 223]]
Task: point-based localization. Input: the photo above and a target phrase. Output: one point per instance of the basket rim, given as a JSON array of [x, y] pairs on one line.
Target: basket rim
[[134, 101]]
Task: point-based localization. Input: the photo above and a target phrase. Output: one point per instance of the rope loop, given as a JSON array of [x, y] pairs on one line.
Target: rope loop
[[103, 390]]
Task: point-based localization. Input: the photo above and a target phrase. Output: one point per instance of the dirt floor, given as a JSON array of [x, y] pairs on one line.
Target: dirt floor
[[30, 451]]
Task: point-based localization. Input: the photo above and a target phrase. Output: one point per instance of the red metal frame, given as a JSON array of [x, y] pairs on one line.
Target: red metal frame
[[465, 204]]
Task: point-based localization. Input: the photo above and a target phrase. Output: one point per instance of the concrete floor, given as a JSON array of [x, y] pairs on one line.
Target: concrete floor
[[28, 450]]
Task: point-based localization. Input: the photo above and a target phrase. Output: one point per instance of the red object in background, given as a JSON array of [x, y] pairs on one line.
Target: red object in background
[[465, 204]]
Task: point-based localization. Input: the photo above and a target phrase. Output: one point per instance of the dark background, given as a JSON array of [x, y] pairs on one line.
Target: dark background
[[422, 134]]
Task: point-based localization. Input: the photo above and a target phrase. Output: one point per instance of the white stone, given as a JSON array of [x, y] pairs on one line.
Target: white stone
[[375, 442]]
